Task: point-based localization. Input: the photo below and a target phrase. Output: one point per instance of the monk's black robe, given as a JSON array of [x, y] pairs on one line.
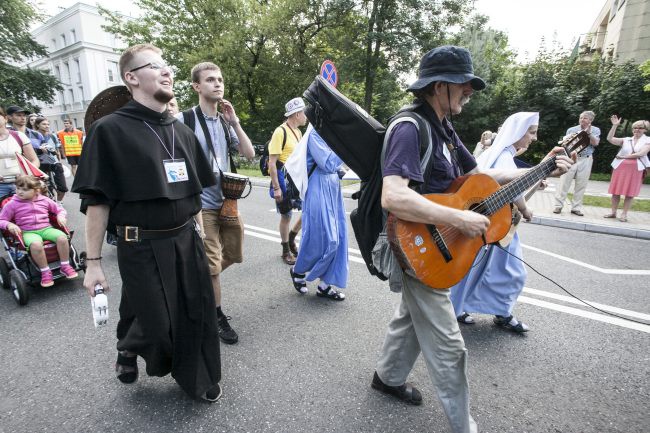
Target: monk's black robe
[[167, 309]]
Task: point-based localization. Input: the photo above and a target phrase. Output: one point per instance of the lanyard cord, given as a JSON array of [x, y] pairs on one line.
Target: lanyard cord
[[171, 155]]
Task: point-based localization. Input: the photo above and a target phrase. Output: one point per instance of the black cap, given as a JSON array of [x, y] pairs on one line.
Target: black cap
[[16, 109], [448, 64]]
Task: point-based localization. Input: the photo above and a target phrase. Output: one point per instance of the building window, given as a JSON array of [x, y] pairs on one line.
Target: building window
[[81, 93], [57, 72], [61, 101], [73, 36], [71, 96], [63, 44], [77, 70], [53, 44], [112, 71], [66, 69]]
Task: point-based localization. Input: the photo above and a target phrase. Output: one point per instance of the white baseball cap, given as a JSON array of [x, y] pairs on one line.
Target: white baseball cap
[[294, 106]]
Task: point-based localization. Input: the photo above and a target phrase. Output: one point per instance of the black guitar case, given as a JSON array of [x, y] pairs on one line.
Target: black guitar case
[[354, 135]]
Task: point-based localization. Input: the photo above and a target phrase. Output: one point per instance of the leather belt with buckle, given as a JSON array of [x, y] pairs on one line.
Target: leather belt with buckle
[[137, 234]]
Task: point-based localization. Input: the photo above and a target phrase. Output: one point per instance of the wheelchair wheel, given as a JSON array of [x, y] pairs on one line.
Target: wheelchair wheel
[[82, 260], [4, 274], [19, 287]]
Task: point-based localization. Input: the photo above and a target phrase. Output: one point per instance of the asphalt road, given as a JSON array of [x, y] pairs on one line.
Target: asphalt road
[[304, 364]]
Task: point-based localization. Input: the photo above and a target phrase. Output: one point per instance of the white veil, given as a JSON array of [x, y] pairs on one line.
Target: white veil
[[512, 130]]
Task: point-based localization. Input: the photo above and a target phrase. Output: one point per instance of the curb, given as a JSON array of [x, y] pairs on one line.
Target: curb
[[592, 228]]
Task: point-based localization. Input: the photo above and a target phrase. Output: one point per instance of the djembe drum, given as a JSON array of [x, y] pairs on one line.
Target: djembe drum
[[233, 186]]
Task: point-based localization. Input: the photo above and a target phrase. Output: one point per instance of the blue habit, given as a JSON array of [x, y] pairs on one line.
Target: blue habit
[[496, 279], [324, 244]]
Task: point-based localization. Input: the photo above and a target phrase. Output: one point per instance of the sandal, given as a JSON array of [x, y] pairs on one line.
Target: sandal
[[126, 367], [407, 392], [610, 215], [511, 324], [330, 293], [292, 243], [213, 394], [300, 286], [466, 319], [623, 219], [289, 258]]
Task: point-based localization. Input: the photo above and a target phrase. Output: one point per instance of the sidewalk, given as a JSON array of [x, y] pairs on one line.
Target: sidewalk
[[542, 204]]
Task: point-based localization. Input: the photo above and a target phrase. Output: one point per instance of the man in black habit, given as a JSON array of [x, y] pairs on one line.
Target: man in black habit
[[142, 173]]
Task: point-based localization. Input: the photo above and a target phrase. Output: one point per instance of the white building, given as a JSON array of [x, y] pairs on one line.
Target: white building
[[621, 31], [82, 56]]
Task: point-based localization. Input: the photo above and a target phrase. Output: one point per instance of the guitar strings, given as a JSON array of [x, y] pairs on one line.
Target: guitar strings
[[488, 206], [569, 293]]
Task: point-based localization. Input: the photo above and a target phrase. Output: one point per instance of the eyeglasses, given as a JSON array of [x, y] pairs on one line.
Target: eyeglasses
[[156, 67], [638, 127]]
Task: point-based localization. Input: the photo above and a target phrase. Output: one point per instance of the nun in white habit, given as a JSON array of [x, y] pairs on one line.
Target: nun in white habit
[[496, 279]]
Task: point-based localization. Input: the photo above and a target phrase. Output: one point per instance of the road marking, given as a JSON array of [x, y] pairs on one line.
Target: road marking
[[586, 314], [273, 236], [570, 300], [588, 266]]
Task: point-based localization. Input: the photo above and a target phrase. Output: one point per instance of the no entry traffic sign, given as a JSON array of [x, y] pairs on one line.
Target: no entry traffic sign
[[329, 72]]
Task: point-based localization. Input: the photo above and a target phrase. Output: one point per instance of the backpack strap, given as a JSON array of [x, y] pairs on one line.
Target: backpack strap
[[426, 146], [16, 137], [424, 130], [189, 119], [284, 137], [278, 164]]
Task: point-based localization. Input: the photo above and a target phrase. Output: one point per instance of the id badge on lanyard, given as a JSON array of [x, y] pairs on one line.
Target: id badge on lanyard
[[175, 170]]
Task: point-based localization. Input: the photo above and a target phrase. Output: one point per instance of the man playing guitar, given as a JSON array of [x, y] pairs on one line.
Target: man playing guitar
[[425, 320]]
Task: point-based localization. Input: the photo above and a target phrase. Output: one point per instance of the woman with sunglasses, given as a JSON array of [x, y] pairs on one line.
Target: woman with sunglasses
[[629, 165]]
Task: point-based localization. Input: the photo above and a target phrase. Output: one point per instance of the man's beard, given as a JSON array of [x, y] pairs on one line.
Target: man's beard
[[163, 95]]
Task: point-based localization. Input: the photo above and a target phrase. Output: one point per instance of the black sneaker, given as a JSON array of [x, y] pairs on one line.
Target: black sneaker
[[407, 392], [226, 333], [213, 394]]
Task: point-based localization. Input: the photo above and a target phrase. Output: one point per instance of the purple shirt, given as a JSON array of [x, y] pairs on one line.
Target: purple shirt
[[403, 158]]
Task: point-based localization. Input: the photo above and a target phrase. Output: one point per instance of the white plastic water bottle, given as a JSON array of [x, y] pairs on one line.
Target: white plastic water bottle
[[99, 304]]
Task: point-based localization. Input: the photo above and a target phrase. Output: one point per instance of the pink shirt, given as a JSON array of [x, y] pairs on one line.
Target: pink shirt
[[30, 214]]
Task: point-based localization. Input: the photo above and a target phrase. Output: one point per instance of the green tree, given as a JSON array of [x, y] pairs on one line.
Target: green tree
[[268, 51], [22, 85], [622, 93], [645, 71], [398, 31], [492, 60]]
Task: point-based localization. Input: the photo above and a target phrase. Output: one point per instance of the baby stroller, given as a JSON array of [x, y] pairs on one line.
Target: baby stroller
[[18, 270]]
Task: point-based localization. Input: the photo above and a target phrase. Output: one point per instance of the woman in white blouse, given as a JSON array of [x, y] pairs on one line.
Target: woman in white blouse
[[629, 165], [10, 143]]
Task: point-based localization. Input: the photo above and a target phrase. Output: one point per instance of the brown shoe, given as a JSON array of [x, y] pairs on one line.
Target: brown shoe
[[288, 258]]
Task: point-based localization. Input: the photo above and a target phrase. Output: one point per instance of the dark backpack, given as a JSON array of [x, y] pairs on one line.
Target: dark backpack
[[190, 120], [264, 159], [357, 138]]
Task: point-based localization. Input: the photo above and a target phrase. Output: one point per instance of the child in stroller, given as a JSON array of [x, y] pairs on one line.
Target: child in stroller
[[28, 214]]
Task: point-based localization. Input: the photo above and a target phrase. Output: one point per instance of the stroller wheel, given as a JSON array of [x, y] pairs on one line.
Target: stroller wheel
[[19, 287], [4, 274]]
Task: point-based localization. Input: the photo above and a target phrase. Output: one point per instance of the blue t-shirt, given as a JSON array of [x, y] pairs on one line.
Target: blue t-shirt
[[403, 158]]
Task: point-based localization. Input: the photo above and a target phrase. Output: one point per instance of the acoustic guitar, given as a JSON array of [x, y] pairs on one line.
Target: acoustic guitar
[[440, 255], [568, 145]]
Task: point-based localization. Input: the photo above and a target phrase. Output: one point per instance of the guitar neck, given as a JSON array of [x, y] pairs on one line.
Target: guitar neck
[[509, 192]]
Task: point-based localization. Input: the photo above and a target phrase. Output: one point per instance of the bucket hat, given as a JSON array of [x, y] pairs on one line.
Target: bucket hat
[[449, 64], [294, 106]]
